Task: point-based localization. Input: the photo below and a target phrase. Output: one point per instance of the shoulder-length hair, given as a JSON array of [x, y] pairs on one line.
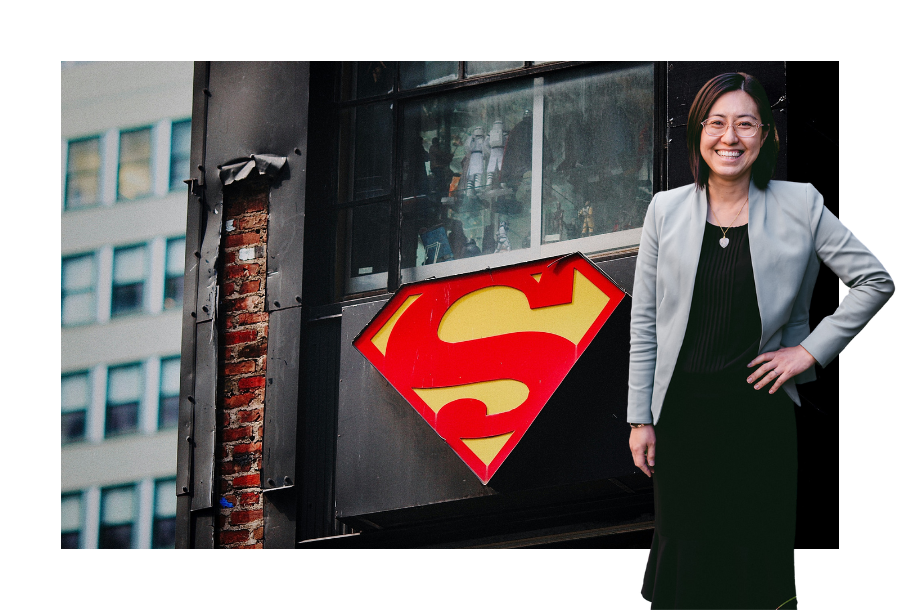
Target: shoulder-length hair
[[764, 166]]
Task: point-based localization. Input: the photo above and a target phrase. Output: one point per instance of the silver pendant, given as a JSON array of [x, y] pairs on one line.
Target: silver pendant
[[723, 242]]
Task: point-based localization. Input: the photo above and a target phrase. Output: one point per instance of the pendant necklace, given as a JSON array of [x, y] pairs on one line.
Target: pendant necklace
[[724, 241]]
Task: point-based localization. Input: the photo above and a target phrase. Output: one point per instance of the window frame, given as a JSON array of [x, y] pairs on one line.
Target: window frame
[[139, 406], [67, 203], [157, 519], [174, 182], [80, 498], [178, 302], [399, 99], [142, 307], [159, 419], [150, 164], [85, 409], [132, 524], [92, 290]]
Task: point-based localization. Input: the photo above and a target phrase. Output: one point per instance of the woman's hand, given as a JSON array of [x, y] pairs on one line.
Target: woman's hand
[[779, 366], [643, 448]]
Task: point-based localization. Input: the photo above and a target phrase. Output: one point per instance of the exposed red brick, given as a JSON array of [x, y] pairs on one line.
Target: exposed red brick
[[242, 239], [249, 415], [258, 545], [236, 434], [253, 318], [232, 467], [235, 271], [246, 448], [257, 203], [249, 350], [233, 537], [248, 303], [239, 400], [240, 336], [253, 221], [259, 533], [249, 480], [239, 368], [247, 383], [249, 498], [245, 516], [250, 286]]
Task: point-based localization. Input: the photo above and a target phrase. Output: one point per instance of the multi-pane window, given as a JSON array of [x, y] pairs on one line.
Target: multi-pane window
[[129, 275], [123, 398], [174, 284], [78, 280], [83, 173], [71, 521], [117, 512], [180, 157], [135, 164], [76, 398], [164, 507], [513, 169], [169, 388]]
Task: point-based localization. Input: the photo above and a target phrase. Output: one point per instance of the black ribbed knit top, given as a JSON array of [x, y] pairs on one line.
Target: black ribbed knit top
[[723, 327]]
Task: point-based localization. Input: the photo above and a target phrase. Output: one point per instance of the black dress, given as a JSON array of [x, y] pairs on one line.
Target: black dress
[[725, 479]]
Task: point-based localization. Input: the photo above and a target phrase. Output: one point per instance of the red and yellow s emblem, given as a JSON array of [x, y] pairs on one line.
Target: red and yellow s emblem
[[479, 355]]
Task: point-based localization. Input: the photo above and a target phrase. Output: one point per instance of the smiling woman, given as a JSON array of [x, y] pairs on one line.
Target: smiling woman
[[736, 256]]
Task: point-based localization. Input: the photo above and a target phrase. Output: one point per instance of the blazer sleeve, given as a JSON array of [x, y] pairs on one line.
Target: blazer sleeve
[[642, 362], [868, 280]]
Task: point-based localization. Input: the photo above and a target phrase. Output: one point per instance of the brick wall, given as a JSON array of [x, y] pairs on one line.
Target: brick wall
[[243, 373]]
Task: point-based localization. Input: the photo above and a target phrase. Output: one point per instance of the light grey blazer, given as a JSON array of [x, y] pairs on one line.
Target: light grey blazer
[[790, 231]]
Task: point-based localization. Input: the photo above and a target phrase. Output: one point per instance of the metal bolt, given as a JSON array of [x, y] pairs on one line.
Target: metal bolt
[[200, 167], [277, 304], [191, 399], [271, 482], [187, 438], [297, 150], [184, 489], [206, 309], [297, 299], [206, 92], [287, 480]]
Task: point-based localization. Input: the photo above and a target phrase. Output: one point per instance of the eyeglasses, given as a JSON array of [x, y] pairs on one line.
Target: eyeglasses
[[717, 127]]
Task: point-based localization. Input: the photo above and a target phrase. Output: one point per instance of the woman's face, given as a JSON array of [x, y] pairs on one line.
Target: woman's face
[[729, 157]]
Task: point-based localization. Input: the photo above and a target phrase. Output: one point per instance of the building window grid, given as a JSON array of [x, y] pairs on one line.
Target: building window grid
[[164, 508], [83, 164], [72, 515], [351, 99], [135, 168], [129, 279]]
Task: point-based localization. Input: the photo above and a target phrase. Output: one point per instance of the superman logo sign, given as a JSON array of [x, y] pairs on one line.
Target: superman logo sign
[[479, 355]]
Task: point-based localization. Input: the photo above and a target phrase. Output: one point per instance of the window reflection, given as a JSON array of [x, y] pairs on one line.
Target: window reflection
[[475, 68], [422, 73], [458, 201], [365, 152], [83, 173], [597, 177], [134, 164]]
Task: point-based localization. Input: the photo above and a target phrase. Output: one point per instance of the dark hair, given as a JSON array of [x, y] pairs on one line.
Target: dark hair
[[764, 166]]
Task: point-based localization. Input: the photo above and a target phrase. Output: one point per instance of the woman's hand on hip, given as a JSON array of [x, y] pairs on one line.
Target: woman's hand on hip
[[643, 448], [779, 367]]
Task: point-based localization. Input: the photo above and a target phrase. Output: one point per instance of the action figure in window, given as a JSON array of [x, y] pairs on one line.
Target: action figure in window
[[587, 215]]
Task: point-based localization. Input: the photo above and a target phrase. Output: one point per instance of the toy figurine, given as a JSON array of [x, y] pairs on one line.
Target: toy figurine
[[556, 220], [475, 148], [496, 141], [502, 239], [587, 215], [472, 249]]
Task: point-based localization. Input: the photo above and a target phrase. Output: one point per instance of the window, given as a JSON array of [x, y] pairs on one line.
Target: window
[[135, 174], [71, 521], [76, 398], [174, 285], [129, 273], [169, 388], [164, 515], [513, 169], [180, 159], [78, 279], [83, 173], [117, 508], [123, 399]]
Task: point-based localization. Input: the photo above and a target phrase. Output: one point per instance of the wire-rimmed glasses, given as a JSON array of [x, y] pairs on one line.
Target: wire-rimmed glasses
[[744, 129]]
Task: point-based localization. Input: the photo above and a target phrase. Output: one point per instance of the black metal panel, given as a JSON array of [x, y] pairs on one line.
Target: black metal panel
[[288, 98], [318, 429], [204, 436], [684, 81], [620, 271], [392, 467]]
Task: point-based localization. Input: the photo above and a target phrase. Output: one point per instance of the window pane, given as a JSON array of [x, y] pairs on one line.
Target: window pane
[[368, 78], [598, 159], [474, 68], [165, 499], [78, 304], [116, 518], [124, 384], [129, 271], [421, 73], [465, 195], [75, 392], [169, 389], [83, 173], [173, 295], [179, 163], [134, 164], [175, 257], [365, 152], [369, 227], [78, 273], [71, 521]]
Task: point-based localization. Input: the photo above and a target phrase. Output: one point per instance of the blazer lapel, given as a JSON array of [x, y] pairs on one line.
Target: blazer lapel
[[694, 240]]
